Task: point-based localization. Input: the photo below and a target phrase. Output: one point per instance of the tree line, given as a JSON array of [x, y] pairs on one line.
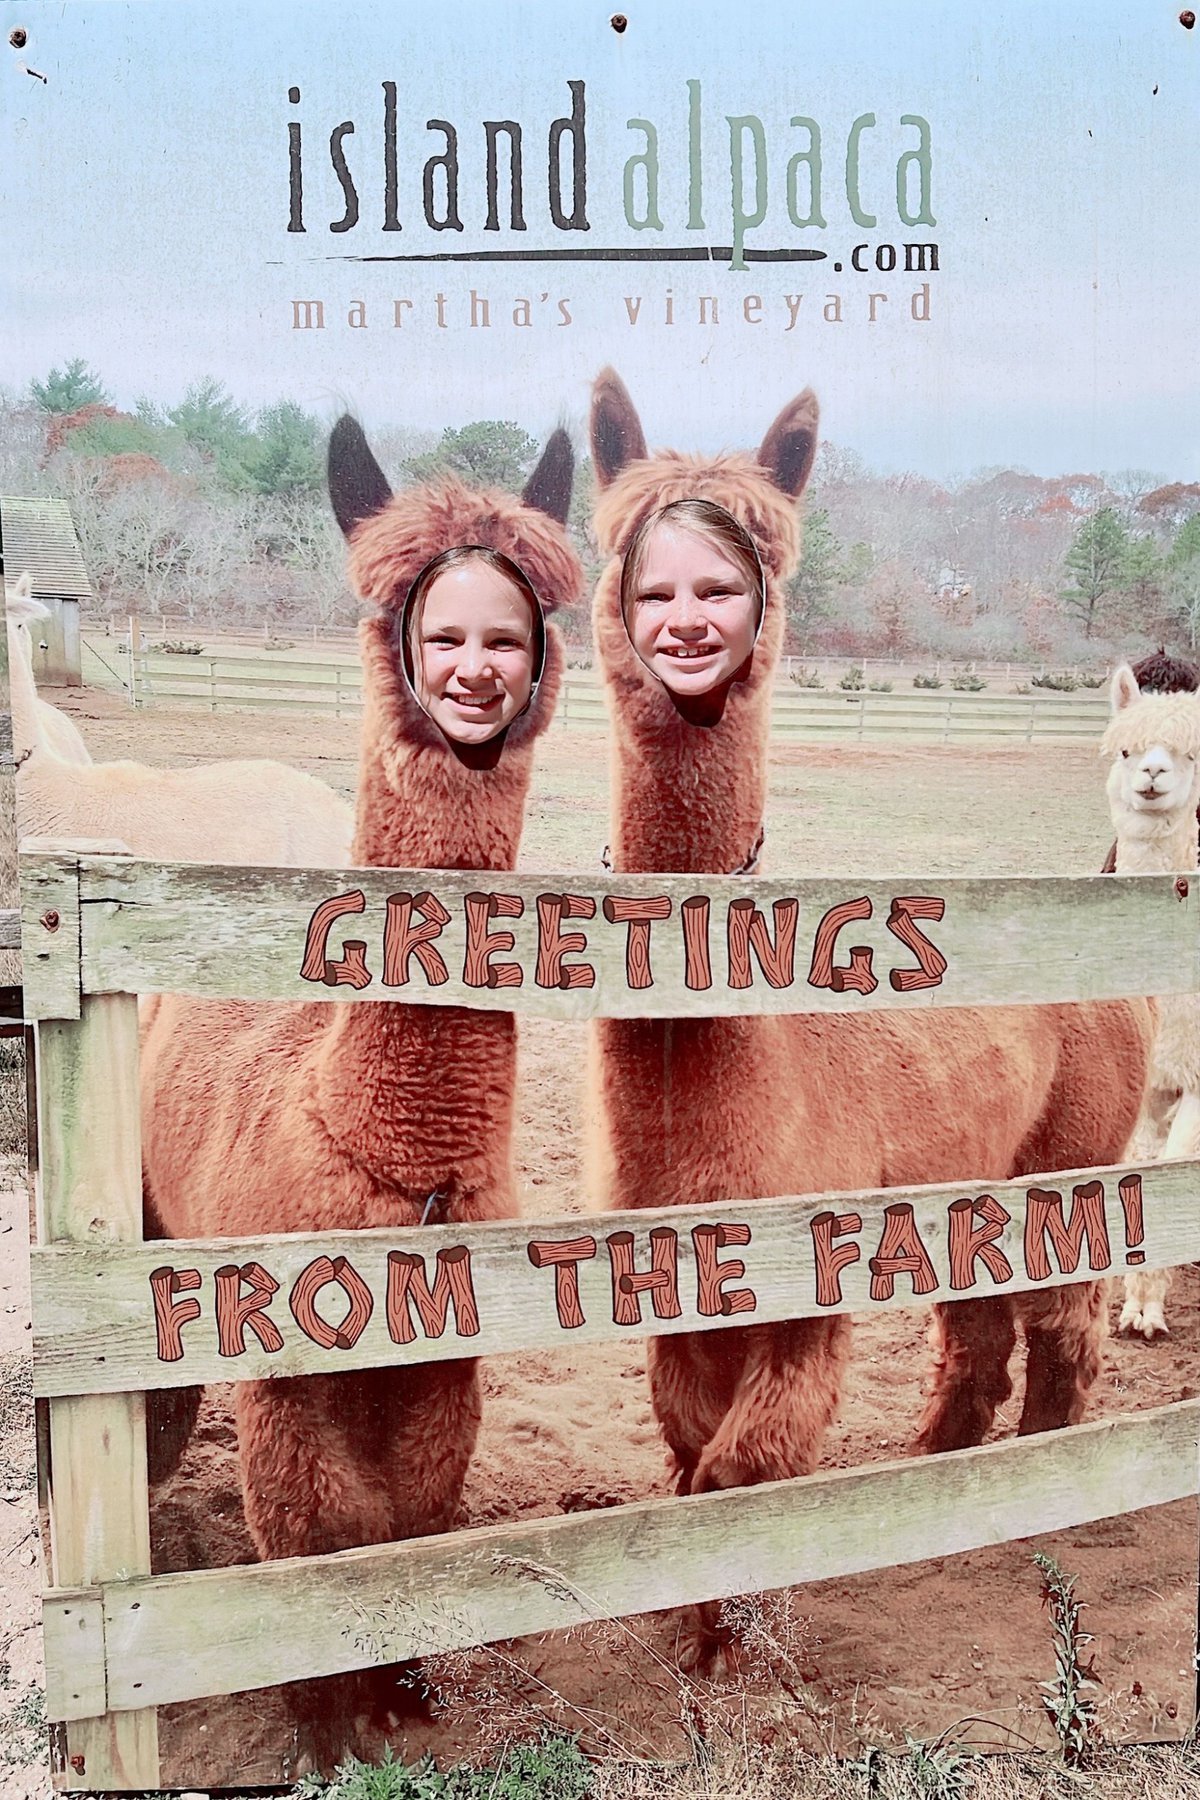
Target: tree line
[[208, 509]]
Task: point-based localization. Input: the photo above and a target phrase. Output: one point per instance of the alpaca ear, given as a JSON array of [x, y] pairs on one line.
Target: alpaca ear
[[548, 489], [616, 431], [791, 444], [20, 604], [1124, 690], [357, 484]]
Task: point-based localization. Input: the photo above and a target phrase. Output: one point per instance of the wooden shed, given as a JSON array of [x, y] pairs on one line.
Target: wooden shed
[[39, 536]]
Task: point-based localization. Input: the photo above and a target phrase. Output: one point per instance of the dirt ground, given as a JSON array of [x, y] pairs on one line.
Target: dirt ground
[[914, 1648]]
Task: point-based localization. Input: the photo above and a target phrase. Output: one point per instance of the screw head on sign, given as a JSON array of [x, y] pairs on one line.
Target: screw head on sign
[[1181, 887], [619, 23], [18, 37], [50, 919], [1187, 20]]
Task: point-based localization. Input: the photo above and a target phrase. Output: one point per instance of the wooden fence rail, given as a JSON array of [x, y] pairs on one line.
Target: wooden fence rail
[[591, 945], [100, 928], [153, 1640], [220, 682]]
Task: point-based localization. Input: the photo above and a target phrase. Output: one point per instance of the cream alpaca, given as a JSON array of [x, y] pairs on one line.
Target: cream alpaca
[[884, 1099], [253, 811], [35, 722], [1153, 789]]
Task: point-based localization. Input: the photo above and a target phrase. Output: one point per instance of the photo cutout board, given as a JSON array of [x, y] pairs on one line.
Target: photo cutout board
[[590, 596]]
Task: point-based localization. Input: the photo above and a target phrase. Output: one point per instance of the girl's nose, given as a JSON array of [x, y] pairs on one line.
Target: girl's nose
[[474, 664], [686, 614]]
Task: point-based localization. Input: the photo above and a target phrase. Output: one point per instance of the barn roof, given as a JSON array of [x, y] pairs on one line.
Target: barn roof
[[39, 535]]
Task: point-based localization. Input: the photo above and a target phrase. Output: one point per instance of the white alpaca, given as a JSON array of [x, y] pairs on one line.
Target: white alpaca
[[1153, 790], [34, 718], [229, 812]]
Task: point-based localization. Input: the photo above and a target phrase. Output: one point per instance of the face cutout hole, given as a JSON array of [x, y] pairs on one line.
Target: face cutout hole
[[474, 644], [692, 598]]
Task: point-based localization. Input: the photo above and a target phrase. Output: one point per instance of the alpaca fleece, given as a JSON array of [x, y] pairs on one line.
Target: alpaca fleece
[[305, 1117], [707, 1109]]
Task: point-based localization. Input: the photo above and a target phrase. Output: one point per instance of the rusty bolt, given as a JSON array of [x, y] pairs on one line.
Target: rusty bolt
[[50, 919], [1187, 20], [619, 23], [1181, 887], [18, 37]]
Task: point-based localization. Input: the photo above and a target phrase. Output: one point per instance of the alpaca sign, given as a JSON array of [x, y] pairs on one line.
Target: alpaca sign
[[560, 1017], [747, 939], [284, 1307]]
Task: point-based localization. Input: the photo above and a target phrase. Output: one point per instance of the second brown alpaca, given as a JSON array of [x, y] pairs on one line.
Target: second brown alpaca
[[307, 1117], [702, 1110]]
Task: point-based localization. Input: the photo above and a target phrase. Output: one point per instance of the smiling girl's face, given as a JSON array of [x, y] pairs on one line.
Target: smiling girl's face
[[473, 652], [693, 615]]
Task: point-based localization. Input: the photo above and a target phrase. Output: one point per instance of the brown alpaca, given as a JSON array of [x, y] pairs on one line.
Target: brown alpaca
[[708, 1109], [305, 1117]]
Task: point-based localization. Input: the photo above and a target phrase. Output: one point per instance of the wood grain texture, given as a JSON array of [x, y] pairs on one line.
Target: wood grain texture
[[94, 1317], [178, 1637], [190, 929], [90, 1191]]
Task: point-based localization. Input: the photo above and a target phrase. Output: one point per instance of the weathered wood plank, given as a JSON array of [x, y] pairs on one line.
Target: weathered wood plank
[[223, 932], [10, 928], [50, 935], [73, 1624], [96, 1327], [90, 1192], [178, 1637]]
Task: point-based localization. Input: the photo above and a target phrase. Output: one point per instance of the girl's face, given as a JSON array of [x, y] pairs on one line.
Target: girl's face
[[694, 614], [473, 656]]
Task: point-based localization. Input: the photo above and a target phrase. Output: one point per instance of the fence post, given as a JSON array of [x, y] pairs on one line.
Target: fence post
[[91, 1191], [212, 684], [337, 693], [949, 716]]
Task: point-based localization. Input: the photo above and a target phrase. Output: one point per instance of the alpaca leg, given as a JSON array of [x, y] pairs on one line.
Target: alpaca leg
[[428, 1421], [692, 1383], [1144, 1312], [309, 1478], [786, 1396], [1064, 1330], [973, 1340]]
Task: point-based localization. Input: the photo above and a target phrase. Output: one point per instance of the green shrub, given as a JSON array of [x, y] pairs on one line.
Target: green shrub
[[807, 678], [879, 687], [1093, 681], [927, 681], [549, 1768], [853, 680], [967, 683], [178, 647], [1061, 684]]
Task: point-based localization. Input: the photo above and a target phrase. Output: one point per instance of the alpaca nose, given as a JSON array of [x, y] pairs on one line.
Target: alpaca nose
[[1156, 764]]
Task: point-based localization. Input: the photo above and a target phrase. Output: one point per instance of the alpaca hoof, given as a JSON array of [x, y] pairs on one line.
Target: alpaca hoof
[[1148, 1322], [706, 1651]]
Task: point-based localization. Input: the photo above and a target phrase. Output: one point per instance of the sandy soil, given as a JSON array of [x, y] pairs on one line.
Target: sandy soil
[[914, 1648]]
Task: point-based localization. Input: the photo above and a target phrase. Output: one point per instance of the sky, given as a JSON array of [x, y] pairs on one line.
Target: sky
[[146, 209]]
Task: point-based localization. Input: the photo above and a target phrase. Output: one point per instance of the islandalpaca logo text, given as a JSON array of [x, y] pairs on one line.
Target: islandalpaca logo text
[[774, 178]]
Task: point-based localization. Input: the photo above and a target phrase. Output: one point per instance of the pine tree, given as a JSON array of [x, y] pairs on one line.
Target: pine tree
[[1096, 561], [66, 390]]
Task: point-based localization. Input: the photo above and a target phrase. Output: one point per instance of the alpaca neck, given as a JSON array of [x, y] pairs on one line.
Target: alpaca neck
[[1149, 844], [418, 1094]]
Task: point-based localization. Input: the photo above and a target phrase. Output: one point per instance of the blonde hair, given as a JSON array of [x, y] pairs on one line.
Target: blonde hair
[[704, 519], [414, 605]]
